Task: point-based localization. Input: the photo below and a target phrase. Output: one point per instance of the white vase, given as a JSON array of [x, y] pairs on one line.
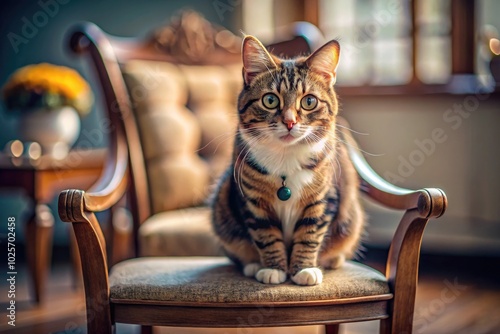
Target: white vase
[[55, 129]]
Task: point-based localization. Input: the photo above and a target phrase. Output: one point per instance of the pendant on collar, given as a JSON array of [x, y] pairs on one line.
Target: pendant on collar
[[284, 193]]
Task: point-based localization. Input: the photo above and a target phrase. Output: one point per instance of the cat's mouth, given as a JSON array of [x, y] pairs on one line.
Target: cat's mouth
[[288, 138]]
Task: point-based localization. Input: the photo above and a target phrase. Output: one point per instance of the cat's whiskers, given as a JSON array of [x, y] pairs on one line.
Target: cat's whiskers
[[359, 149], [310, 142], [256, 129], [242, 151], [318, 139], [349, 129], [240, 173], [337, 177], [339, 138], [237, 174], [229, 135], [330, 152]]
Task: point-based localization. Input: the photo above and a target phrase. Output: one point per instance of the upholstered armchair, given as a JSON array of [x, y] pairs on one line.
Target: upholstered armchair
[[170, 101]]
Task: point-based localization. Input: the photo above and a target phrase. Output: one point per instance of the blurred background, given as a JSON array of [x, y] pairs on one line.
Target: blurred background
[[418, 82]]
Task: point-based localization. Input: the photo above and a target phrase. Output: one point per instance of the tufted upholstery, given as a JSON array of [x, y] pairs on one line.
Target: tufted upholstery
[[186, 117], [215, 280]]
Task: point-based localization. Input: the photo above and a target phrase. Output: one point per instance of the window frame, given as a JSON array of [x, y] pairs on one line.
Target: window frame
[[463, 79]]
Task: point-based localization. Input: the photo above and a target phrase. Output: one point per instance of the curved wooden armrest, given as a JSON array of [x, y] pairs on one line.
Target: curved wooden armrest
[[105, 193], [430, 202], [77, 206], [113, 183]]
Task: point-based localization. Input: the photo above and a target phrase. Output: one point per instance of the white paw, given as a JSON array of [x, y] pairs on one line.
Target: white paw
[[308, 276], [270, 276], [251, 269]]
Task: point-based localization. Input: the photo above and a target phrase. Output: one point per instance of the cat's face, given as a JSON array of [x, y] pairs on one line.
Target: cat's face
[[287, 102]]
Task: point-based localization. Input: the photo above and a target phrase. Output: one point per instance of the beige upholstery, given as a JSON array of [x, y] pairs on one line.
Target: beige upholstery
[[186, 117], [216, 280], [183, 232]]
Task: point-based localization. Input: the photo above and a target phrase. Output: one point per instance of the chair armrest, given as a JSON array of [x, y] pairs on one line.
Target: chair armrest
[[106, 192], [78, 207], [430, 202]]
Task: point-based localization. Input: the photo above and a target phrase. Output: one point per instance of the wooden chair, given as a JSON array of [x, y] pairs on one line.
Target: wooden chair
[[209, 291]]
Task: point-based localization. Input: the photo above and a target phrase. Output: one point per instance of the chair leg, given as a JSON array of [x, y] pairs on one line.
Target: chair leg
[[396, 325], [332, 329], [385, 326]]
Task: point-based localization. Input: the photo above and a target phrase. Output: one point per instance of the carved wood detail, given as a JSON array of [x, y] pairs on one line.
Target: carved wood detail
[[192, 37]]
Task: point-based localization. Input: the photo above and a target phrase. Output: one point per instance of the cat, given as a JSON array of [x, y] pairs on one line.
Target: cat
[[288, 204]]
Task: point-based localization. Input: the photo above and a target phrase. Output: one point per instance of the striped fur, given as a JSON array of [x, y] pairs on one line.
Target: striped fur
[[321, 224]]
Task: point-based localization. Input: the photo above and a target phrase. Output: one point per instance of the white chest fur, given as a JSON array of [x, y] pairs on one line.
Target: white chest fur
[[290, 211], [287, 163]]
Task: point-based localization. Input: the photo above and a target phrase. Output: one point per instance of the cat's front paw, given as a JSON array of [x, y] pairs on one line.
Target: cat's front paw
[[270, 276], [308, 276]]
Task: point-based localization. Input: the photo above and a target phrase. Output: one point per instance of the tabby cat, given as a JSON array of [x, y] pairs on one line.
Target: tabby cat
[[288, 204]]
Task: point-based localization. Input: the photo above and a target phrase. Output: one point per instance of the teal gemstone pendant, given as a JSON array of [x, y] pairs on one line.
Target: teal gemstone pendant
[[284, 193]]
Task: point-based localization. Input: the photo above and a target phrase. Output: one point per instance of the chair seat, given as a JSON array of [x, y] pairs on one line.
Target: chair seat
[[215, 280]]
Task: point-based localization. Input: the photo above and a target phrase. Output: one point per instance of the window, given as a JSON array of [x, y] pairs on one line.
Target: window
[[421, 45], [401, 42], [375, 38]]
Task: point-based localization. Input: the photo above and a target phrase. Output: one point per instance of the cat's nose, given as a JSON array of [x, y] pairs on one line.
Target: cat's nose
[[289, 119], [290, 124]]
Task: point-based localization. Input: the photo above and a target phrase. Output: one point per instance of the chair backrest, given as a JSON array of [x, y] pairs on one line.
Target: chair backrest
[[183, 89], [174, 94]]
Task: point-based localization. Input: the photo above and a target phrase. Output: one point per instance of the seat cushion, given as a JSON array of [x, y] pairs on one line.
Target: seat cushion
[[184, 232], [217, 280]]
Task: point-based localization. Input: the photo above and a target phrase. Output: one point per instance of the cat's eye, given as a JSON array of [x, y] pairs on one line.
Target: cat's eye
[[270, 101], [309, 102]]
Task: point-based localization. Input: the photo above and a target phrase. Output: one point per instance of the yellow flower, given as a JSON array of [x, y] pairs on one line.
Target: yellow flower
[[47, 85]]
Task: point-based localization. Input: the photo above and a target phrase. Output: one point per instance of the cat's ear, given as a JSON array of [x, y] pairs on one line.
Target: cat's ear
[[325, 60], [256, 59]]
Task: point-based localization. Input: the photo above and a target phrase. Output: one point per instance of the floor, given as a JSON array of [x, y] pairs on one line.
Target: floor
[[455, 296]]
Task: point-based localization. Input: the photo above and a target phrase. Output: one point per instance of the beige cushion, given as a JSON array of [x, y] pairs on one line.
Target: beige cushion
[[178, 182], [184, 232], [186, 117], [216, 280]]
